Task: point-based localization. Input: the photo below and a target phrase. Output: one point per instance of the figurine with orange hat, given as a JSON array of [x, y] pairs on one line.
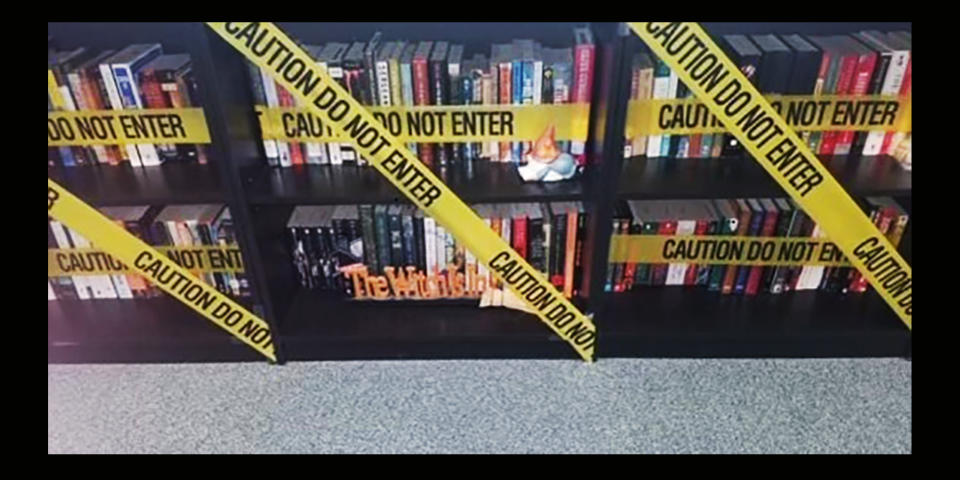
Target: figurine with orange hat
[[545, 162]]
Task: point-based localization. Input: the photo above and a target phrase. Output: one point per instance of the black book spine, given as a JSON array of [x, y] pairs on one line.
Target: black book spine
[[456, 98], [328, 256], [782, 230], [356, 239], [409, 247], [396, 240], [383, 237], [440, 95], [578, 252], [420, 243], [316, 253], [535, 242], [559, 248], [369, 245]]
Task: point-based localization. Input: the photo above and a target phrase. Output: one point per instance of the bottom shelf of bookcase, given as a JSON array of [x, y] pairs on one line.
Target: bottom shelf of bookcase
[[323, 327], [673, 322], [155, 330]]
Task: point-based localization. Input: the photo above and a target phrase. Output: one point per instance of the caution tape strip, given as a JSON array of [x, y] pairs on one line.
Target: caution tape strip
[[713, 78], [269, 48], [725, 250], [112, 127], [806, 113], [94, 261], [159, 269], [447, 123]]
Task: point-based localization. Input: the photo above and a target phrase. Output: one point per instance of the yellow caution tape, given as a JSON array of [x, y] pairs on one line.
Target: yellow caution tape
[[111, 127], [269, 48], [94, 261], [159, 269], [800, 112], [449, 123], [725, 250], [713, 78]]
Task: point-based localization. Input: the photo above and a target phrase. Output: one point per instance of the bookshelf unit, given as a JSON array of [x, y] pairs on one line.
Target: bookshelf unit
[[308, 325]]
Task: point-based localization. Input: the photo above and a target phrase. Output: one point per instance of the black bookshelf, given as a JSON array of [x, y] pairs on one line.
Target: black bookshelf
[[172, 183], [307, 325], [655, 178]]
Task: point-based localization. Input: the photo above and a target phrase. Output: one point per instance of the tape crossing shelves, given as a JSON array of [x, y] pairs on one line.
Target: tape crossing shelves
[[113, 127], [449, 123], [689, 51], [800, 112], [159, 269], [94, 261], [270, 49]]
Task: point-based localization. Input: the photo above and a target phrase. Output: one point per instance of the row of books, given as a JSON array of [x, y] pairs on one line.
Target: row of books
[[869, 62], [180, 225], [136, 77], [766, 217], [395, 73], [325, 239]]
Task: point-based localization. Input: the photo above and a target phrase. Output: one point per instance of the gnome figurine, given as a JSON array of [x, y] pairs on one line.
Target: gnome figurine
[[545, 162]]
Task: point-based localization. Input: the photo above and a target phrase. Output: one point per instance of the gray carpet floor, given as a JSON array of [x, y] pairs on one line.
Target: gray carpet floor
[[613, 406]]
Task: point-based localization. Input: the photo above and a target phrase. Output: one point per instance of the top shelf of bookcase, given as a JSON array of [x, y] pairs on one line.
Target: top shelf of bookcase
[[349, 184], [664, 178]]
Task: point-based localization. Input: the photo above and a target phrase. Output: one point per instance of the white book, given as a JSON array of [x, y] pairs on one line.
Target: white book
[[484, 213], [81, 282], [113, 98], [50, 294], [430, 244], [685, 226], [440, 248], [809, 272], [273, 101], [661, 89], [344, 151], [100, 284]]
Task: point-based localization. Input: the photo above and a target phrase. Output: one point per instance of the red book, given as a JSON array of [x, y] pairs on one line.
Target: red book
[[866, 62], [91, 91], [848, 66], [584, 53], [743, 226], [768, 230], [506, 98], [690, 276], [421, 92], [286, 100], [695, 141], [629, 268], [667, 227], [519, 231], [904, 92]]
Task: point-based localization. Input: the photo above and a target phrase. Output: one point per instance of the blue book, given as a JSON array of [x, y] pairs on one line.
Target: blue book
[[756, 223], [125, 66], [518, 73]]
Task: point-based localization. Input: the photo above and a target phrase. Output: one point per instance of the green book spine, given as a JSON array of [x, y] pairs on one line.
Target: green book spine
[[383, 237]]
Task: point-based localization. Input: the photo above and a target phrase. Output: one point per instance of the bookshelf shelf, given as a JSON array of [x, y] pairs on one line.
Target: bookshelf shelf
[[673, 322], [170, 183], [145, 330], [323, 327], [348, 184], [664, 178]]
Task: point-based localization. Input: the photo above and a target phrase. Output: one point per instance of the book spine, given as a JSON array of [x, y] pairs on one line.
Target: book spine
[[743, 273], [430, 244], [409, 243], [702, 275], [78, 155], [660, 270], [384, 91], [570, 254], [421, 96], [535, 244], [81, 283], [868, 143], [609, 284], [578, 252], [153, 97], [439, 95], [369, 236], [259, 98], [420, 243], [816, 138], [286, 100], [516, 148], [520, 236], [273, 101], [559, 244], [756, 272], [583, 55]]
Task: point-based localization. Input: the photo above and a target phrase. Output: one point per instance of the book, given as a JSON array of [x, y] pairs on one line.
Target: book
[[870, 142], [372, 85], [125, 65], [367, 225], [156, 78], [902, 61], [756, 224], [406, 83], [584, 51], [421, 92], [455, 93], [787, 226], [839, 82], [440, 92], [260, 98], [332, 60], [315, 152], [357, 84], [729, 225], [661, 88], [408, 240], [746, 56], [804, 71], [859, 85], [684, 213]]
